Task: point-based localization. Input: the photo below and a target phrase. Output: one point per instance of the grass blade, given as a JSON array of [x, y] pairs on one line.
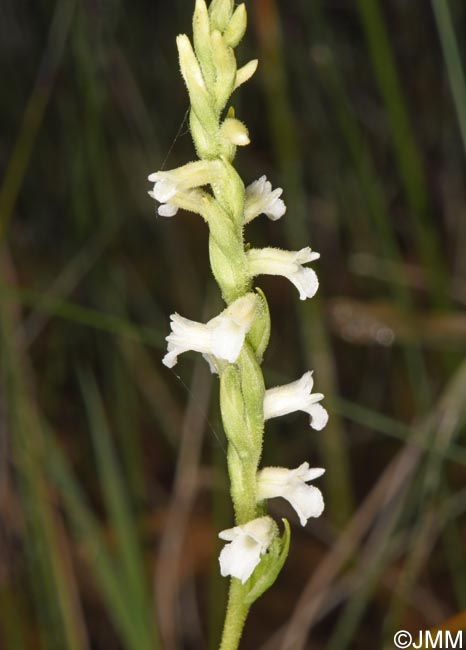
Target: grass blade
[[118, 508]]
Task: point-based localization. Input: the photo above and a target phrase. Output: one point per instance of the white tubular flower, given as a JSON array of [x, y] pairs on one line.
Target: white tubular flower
[[296, 396], [260, 199], [248, 542], [191, 200], [174, 184], [273, 261], [222, 337], [290, 484]]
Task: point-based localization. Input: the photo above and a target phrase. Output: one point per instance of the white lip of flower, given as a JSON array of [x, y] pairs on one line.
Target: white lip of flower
[[248, 542], [164, 209], [260, 199], [273, 261], [290, 484], [167, 210], [296, 396], [222, 337]]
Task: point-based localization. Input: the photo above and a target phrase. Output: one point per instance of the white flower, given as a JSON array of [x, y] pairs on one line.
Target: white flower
[[193, 200], [290, 484], [222, 337], [174, 188], [248, 542], [260, 199], [273, 261], [296, 396]]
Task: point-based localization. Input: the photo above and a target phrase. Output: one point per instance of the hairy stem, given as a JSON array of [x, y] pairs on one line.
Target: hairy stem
[[235, 618]]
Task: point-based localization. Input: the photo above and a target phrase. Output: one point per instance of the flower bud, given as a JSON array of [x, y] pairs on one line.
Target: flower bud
[[225, 66], [236, 27], [202, 43], [220, 13], [201, 101], [204, 142], [235, 132], [259, 334]]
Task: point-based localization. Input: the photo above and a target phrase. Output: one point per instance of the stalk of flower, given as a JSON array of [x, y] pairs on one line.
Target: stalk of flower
[[234, 341]]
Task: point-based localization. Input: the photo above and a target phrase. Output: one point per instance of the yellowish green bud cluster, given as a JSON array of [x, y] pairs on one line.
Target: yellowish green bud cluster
[[211, 75]]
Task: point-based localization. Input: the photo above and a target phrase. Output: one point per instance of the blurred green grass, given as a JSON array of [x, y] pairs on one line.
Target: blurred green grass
[[112, 469]]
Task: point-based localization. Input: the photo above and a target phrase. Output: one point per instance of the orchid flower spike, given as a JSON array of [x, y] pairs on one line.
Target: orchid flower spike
[[222, 337], [273, 261], [296, 396], [260, 199], [290, 484], [248, 542]]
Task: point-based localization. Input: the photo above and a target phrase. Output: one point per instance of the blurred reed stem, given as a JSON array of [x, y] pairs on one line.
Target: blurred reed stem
[[35, 109], [453, 546], [124, 395], [396, 429], [443, 423], [94, 318], [52, 580], [453, 61], [106, 571], [448, 425], [122, 520], [374, 196], [311, 319], [12, 620], [405, 148], [378, 209]]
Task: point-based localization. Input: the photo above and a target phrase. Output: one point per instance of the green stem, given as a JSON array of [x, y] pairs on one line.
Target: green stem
[[235, 618]]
